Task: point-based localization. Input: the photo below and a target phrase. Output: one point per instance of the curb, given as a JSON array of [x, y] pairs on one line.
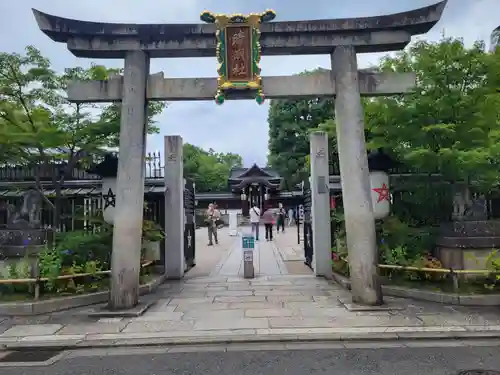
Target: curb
[[33, 308], [426, 295], [161, 339]]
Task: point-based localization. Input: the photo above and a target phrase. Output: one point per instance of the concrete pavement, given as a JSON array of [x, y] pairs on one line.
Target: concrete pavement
[[275, 306]]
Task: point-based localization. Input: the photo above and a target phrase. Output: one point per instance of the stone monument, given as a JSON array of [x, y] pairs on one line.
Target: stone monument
[[342, 39], [23, 237]]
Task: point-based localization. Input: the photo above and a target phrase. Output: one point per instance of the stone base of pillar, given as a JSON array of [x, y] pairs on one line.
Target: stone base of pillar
[[109, 312]]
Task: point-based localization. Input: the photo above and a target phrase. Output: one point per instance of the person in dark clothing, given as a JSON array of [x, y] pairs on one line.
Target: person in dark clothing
[[281, 219], [268, 220]]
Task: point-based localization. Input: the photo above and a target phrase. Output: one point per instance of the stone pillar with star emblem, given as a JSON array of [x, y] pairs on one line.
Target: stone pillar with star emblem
[[320, 196], [355, 179], [174, 208]]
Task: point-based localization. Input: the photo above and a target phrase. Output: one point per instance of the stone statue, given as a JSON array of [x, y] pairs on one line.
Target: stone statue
[[28, 216], [477, 209]]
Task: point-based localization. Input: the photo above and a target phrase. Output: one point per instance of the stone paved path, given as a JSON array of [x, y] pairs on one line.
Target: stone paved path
[[223, 306]]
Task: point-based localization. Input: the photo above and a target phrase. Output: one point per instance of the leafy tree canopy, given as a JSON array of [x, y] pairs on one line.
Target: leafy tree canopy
[[289, 125], [450, 124], [39, 126], [209, 169]]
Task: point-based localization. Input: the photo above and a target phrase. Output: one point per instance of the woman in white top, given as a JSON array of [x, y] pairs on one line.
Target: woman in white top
[[255, 220]]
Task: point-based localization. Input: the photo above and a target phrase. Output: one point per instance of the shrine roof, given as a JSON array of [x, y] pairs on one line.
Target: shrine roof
[[111, 40], [238, 174]]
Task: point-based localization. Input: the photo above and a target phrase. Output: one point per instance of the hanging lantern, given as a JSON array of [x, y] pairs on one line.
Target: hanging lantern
[[381, 195], [266, 196], [243, 197]]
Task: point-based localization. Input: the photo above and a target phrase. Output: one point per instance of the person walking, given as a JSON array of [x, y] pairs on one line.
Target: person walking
[[211, 217], [281, 219], [290, 217], [268, 218], [255, 220]]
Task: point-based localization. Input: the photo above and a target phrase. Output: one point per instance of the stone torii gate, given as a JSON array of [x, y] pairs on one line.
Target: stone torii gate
[[342, 39]]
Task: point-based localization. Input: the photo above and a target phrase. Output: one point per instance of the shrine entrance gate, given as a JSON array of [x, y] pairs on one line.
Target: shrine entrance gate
[[342, 39]]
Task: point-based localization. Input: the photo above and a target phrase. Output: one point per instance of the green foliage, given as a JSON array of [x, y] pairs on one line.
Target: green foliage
[[82, 246], [151, 231], [450, 124], [392, 233], [38, 126], [209, 169], [289, 124]]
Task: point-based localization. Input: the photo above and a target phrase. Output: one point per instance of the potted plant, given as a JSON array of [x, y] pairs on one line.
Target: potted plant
[[152, 235]]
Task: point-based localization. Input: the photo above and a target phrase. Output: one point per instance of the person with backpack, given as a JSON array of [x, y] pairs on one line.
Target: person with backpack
[[211, 217], [268, 218]]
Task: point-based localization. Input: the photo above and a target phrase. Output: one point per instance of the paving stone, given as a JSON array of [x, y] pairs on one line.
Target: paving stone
[[375, 321], [110, 320], [214, 314], [191, 301], [249, 287], [255, 305], [217, 324], [188, 295], [233, 299], [32, 330], [205, 307], [276, 283], [155, 316], [230, 293], [158, 326], [295, 305], [265, 313], [205, 288], [299, 298], [455, 320], [76, 329], [162, 306], [324, 311], [292, 322], [277, 292]]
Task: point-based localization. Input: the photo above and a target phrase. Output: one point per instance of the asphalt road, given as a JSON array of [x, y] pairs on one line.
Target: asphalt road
[[273, 361]]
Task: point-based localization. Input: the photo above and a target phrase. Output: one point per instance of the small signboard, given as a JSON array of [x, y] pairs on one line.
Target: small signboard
[[248, 242]]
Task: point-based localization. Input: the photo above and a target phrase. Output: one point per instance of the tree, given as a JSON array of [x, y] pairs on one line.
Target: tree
[[208, 169], [289, 125], [40, 128], [450, 124]]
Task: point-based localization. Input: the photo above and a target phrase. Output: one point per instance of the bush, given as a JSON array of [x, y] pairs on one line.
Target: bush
[[80, 247]]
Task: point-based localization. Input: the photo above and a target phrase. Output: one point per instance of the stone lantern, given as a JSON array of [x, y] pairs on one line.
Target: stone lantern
[[108, 170], [379, 165]]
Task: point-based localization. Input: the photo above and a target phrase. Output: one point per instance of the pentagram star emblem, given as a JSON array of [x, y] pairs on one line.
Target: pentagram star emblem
[[308, 238], [383, 193], [189, 239], [109, 199]]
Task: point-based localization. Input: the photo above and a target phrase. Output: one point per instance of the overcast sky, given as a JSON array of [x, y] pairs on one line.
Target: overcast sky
[[236, 126]]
